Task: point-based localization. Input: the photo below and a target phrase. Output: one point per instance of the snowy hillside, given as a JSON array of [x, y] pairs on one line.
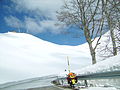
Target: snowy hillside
[[105, 49], [105, 60], [24, 56], [103, 64]]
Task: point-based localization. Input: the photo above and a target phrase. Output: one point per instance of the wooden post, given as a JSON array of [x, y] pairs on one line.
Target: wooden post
[[86, 84], [68, 64]]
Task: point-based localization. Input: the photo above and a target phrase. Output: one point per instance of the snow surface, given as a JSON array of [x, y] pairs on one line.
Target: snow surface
[[24, 56], [100, 88], [104, 50], [110, 64]]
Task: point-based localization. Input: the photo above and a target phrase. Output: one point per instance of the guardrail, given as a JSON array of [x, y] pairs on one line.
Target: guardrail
[[100, 75]]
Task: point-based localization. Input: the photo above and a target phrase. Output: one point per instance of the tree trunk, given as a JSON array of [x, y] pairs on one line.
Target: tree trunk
[[109, 21], [113, 42], [112, 34], [92, 52], [88, 39]]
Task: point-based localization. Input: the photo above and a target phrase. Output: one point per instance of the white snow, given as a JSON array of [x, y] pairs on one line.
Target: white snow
[[24, 56], [110, 64], [104, 50], [100, 88]]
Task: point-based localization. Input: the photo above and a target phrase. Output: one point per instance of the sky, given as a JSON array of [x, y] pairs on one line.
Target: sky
[[38, 17]]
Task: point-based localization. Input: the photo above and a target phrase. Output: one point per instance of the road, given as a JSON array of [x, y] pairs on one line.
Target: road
[[48, 88]]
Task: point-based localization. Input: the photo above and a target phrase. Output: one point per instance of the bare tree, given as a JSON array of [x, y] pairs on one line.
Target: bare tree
[[111, 46], [116, 21], [112, 12], [88, 16]]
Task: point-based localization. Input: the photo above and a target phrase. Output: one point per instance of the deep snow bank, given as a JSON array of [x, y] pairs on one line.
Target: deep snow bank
[[110, 64]]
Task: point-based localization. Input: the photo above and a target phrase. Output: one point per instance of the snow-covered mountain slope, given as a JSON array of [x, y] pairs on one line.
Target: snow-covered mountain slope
[[24, 56]]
